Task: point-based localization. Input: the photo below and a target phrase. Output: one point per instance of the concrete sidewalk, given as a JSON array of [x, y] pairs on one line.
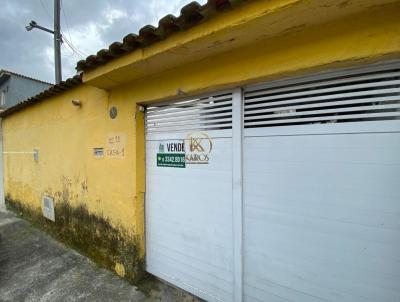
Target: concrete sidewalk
[[34, 267]]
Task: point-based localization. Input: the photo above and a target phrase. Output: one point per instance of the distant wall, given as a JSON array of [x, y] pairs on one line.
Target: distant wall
[[20, 88]]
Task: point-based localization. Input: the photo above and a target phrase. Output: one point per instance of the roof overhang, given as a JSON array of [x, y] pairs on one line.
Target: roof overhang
[[248, 22]]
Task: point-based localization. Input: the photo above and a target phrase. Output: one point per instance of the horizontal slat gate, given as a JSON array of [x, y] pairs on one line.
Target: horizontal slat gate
[[189, 209], [363, 96], [208, 113], [321, 194]]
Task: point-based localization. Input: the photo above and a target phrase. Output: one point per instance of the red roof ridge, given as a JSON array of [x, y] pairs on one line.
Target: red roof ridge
[[191, 15]]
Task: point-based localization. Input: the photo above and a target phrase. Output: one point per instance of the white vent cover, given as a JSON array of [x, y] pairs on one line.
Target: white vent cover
[[48, 208], [363, 94], [207, 113]]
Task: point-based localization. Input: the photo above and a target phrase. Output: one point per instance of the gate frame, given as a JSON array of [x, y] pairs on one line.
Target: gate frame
[[237, 192]]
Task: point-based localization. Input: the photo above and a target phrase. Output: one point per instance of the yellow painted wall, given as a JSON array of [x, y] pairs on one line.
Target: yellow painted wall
[[65, 135]]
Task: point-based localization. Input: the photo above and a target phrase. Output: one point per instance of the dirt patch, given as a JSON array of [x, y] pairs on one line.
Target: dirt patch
[[156, 291], [90, 234]]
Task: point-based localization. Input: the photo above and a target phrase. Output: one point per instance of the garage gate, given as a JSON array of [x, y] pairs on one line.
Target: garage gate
[[286, 191]]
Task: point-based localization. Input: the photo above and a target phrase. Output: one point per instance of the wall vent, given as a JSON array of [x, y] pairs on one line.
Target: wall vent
[[363, 94], [207, 113], [48, 208]]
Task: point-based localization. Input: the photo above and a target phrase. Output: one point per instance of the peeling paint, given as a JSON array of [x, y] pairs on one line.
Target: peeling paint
[[119, 269], [343, 4], [218, 43]]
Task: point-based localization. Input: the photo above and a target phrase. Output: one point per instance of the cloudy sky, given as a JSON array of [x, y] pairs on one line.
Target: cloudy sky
[[88, 25]]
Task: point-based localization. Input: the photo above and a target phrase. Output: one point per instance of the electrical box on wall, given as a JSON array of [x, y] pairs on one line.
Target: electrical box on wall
[[36, 155], [98, 152], [48, 208]]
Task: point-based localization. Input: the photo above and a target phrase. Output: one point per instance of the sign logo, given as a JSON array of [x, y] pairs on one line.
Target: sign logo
[[200, 146]]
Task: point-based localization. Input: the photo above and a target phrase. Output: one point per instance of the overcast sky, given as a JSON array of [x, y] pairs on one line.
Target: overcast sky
[[89, 24]]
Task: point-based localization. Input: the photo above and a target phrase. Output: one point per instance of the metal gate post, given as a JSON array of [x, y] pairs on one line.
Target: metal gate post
[[237, 192]]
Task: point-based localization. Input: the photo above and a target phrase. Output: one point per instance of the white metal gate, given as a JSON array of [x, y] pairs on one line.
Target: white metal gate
[[298, 199], [189, 195], [321, 188]]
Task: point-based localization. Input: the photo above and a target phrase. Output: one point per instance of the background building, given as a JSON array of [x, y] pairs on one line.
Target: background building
[[15, 87]]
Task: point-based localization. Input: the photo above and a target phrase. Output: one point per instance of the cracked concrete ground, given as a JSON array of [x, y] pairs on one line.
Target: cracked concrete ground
[[35, 267]]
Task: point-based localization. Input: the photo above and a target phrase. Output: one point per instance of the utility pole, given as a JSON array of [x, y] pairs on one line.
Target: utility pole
[[57, 40]]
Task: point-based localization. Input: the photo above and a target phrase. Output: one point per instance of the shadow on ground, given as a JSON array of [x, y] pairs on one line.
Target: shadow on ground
[[34, 267]]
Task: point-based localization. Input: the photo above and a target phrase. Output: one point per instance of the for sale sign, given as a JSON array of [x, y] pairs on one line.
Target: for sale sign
[[194, 149], [171, 154]]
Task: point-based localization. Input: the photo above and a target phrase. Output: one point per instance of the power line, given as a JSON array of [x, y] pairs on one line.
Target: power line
[[72, 49], [69, 42], [80, 53], [66, 21], [46, 10], [72, 54], [77, 55]]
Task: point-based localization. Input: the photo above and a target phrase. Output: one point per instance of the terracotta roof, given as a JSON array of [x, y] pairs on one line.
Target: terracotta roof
[[53, 90], [7, 72], [191, 15]]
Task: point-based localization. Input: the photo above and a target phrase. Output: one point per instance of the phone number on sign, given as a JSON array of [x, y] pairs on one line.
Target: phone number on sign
[[173, 159]]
